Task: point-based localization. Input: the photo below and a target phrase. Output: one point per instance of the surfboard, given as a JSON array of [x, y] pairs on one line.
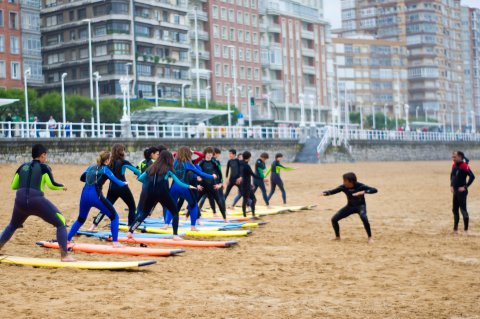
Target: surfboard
[[176, 243], [55, 263], [187, 232], [107, 249], [103, 234]]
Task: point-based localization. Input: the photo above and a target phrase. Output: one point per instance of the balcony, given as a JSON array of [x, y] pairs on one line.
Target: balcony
[[266, 80], [277, 84], [202, 35], [201, 15], [165, 42], [308, 69], [306, 34], [308, 52], [275, 66], [202, 73], [202, 54], [175, 5], [170, 25]]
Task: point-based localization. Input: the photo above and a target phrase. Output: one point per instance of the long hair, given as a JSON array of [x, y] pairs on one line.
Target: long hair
[[184, 154], [102, 157], [118, 153], [162, 165], [462, 155]]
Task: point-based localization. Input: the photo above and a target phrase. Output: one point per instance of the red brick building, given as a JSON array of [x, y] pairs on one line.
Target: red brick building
[[10, 44]]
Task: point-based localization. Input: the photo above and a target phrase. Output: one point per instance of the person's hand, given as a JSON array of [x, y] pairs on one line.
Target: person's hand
[[239, 180], [452, 190], [192, 187], [323, 194], [361, 193], [65, 188], [266, 180], [200, 188], [462, 189], [218, 186], [214, 176], [199, 178]]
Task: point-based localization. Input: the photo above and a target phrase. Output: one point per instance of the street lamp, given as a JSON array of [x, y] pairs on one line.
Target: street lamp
[[197, 63], [287, 97], [302, 110], [451, 121], [250, 106], [474, 122], [374, 126], [269, 110], [124, 86], [127, 69], [397, 114], [385, 116], [206, 97], [360, 106], [26, 74], [312, 114], [97, 77], [234, 75], [183, 93], [90, 56], [64, 118], [229, 90], [426, 113], [416, 112], [156, 92], [458, 110], [407, 127]]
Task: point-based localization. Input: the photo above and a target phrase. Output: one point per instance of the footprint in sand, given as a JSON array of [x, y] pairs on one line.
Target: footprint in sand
[[462, 260]]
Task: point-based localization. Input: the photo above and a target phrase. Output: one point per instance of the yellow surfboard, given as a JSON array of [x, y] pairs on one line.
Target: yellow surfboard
[[200, 233], [55, 263]]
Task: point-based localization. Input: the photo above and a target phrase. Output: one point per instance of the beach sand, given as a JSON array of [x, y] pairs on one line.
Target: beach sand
[[289, 268]]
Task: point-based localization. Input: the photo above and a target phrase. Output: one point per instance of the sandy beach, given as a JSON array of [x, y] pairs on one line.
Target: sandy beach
[[289, 268]]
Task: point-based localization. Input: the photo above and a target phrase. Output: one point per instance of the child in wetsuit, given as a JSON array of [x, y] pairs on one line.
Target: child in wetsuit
[[356, 204], [459, 188]]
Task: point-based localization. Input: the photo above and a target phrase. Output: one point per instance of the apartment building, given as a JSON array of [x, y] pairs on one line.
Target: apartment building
[[144, 40], [11, 70]]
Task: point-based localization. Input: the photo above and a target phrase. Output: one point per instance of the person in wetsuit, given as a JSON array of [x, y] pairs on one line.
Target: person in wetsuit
[[275, 179], [233, 171], [150, 155], [459, 188], [212, 189], [94, 178], [156, 190], [356, 204], [186, 171], [260, 169], [118, 165], [246, 188], [29, 181]]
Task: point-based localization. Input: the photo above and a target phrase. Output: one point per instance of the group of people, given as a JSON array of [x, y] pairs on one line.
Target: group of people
[[194, 181]]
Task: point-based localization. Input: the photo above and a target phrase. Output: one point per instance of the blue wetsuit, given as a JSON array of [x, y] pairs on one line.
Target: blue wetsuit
[[119, 167], [94, 177], [185, 172]]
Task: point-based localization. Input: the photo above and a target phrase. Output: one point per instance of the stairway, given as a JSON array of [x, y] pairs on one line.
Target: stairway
[[308, 153]]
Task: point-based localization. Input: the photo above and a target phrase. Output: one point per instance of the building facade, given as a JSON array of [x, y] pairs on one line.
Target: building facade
[[370, 74], [144, 40], [31, 41], [432, 33], [11, 70]]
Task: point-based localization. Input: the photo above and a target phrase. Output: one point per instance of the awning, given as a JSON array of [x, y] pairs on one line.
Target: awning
[[175, 115], [4, 102]]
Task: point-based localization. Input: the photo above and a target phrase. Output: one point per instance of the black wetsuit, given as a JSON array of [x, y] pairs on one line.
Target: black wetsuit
[[115, 192], [458, 178], [143, 165], [355, 205], [246, 189], [29, 181], [214, 195], [260, 168], [233, 173], [276, 180], [156, 190]]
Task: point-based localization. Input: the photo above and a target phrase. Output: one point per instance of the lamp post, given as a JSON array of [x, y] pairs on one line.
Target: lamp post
[[397, 114], [124, 87], [197, 63], [458, 110], [156, 92], [127, 68], [287, 97], [361, 116], [312, 113], [64, 116], [234, 75], [407, 126], [474, 124], [97, 77], [451, 121], [385, 116], [374, 126], [250, 106], [229, 91], [269, 110], [347, 112], [426, 113], [183, 93], [26, 74], [416, 112], [90, 56], [206, 97], [302, 110]]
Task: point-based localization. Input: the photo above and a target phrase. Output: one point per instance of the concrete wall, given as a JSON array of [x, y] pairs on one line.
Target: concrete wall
[[84, 151]]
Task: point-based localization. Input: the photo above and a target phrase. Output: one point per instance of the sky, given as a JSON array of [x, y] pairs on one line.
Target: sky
[[332, 10]]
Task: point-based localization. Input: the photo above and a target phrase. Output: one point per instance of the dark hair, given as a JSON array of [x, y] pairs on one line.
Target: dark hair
[[264, 155], [162, 165], [462, 155], [216, 150], [351, 177], [147, 153], [233, 151], [278, 155], [118, 153], [37, 150], [161, 148], [208, 150], [246, 155]]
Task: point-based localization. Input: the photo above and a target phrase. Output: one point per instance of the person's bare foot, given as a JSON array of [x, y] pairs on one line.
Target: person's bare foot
[[116, 244], [130, 235], [165, 227], [336, 239], [225, 220], [455, 232], [465, 233], [177, 238], [92, 228], [269, 207], [193, 228], [370, 240], [67, 258]]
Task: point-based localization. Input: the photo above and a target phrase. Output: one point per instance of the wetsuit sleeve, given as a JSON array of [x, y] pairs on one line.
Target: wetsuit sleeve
[[250, 172], [333, 191], [127, 165], [177, 180], [368, 189], [228, 168], [200, 157], [194, 169], [47, 178], [112, 177], [143, 178], [471, 177], [259, 169], [219, 171], [451, 178], [15, 182], [269, 170], [280, 167]]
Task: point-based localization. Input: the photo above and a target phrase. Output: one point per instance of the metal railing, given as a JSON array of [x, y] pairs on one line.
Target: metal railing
[[113, 130]]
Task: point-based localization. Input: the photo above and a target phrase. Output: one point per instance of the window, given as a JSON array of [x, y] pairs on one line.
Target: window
[[224, 33], [218, 88], [249, 73], [14, 45], [1, 20], [31, 45], [253, 4], [13, 22], [239, 3], [231, 15], [216, 32], [2, 70], [217, 69], [226, 70], [223, 14], [255, 56], [257, 74], [2, 43], [226, 50], [255, 38], [232, 34], [101, 50], [100, 31], [15, 70], [240, 36], [82, 14], [215, 12], [84, 53], [30, 21], [216, 51], [254, 20], [144, 69], [242, 73], [239, 17], [247, 36], [247, 18], [248, 55], [247, 3], [56, 58], [240, 54]]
